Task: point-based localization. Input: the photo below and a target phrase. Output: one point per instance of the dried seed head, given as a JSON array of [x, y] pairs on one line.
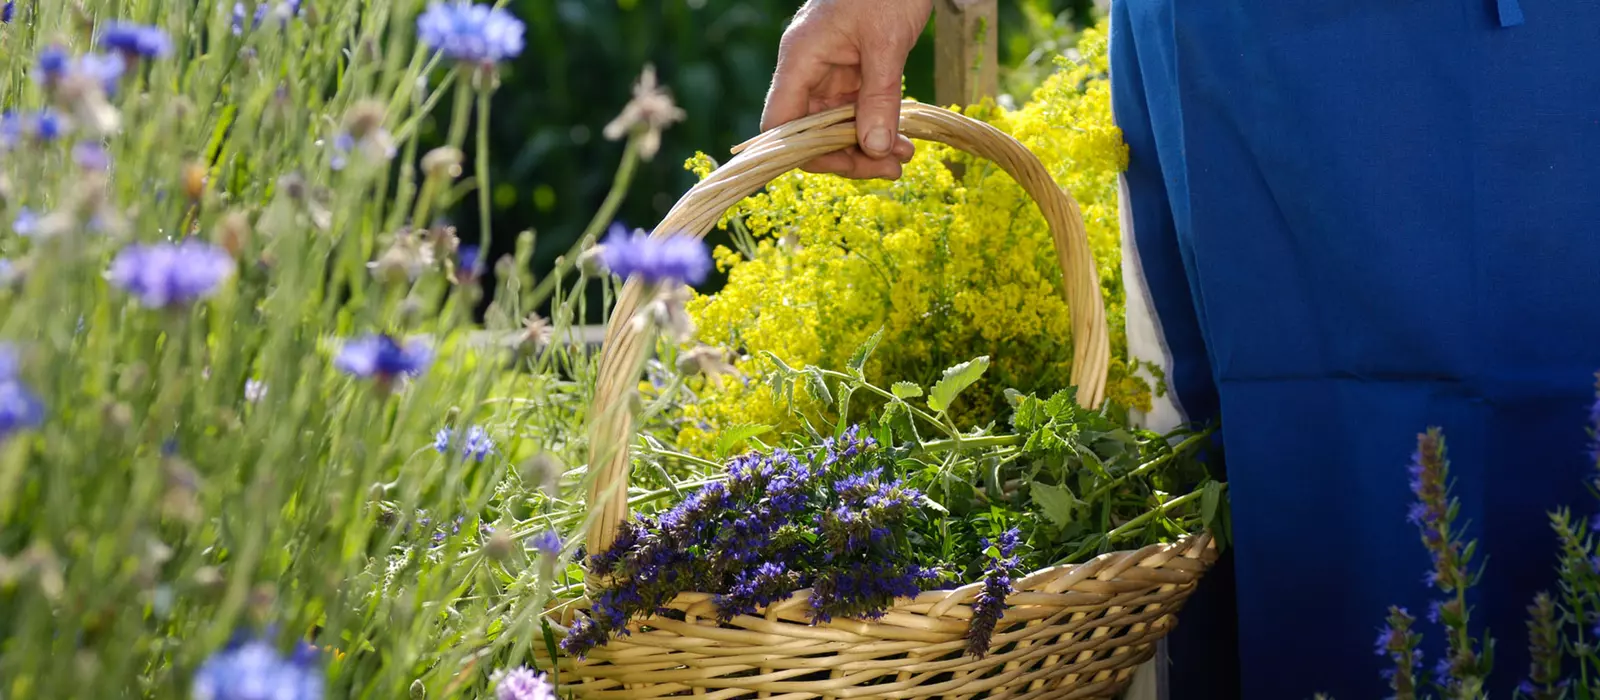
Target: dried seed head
[[443, 162], [668, 313], [543, 472], [649, 112], [233, 232], [404, 260], [294, 186], [194, 179], [500, 546], [709, 361]]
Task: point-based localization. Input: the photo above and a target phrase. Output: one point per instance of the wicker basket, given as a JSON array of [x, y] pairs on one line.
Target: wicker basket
[[1075, 631]]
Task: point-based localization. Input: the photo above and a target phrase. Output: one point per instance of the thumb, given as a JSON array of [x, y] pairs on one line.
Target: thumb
[[878, 103]]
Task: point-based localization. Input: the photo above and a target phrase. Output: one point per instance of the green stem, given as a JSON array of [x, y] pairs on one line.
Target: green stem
[[482, 163], [602, 218], [1124, 529], [691, 459], [924, 415], [972, 443], [1181, 448]]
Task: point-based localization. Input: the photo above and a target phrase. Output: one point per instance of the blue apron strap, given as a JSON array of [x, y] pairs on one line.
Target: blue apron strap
[[1510, 12]]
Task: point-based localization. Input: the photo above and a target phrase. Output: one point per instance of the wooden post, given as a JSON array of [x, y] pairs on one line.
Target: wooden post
[[966, 50]]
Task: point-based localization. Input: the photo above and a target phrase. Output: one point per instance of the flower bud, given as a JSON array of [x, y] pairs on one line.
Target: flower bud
[[443, 162], [233, 233], [500, 546], [364, 119], [418, 690], [194, 179]]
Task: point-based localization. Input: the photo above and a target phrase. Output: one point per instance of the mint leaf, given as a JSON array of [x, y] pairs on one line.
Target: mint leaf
[[858, 360], [906, 390], [731, 437], [1058, 504], [956, 379]]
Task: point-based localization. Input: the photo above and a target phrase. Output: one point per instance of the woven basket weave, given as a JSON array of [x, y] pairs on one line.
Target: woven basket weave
[[1072, 631]]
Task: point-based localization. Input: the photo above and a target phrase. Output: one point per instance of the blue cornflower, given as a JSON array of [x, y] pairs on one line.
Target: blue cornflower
[[522, 684], [9, 12], [52, 64], [171, 274], [381, 357], [254, 670], [26, 223], [469, 259], [136, 40], [285, 10], [106, 69], [547, 542], [470, 33], [655, 260], [10, 362], [48, 126], [19, 408], [478, 445]]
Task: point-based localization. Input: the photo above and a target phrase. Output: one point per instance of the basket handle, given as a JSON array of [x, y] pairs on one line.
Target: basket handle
[[760, 161]]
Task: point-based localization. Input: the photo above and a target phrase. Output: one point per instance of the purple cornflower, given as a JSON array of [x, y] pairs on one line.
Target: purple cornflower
[[381, 357], [522, 684], [136, 40], [254, 670], [470, 33], [55, 67], [90, 156], [163, 275], [26, 224], [477, 446], [990, 605], [655, 260], [19, 408], [547, 542]]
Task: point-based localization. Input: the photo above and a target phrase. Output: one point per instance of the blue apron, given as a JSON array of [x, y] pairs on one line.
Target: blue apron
[[1352, 220]]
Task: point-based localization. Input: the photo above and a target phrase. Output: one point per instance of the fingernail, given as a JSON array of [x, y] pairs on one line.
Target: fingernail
[[878, 141]]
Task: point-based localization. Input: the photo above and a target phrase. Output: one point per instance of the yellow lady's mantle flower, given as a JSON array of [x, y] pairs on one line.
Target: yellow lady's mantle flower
[[949, 269]]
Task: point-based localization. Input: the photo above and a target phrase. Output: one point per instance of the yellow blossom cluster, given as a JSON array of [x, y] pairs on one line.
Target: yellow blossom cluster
[[949, 268]]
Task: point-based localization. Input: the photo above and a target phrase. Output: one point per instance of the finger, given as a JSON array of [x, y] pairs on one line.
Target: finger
[[801, 69], [878, 107], [904, 150], [837, 163]]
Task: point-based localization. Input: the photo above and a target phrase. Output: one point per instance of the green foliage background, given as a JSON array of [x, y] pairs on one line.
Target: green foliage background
[[551, 165]]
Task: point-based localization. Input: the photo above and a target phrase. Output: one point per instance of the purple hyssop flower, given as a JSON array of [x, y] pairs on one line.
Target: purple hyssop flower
[[135, 40], [477, 446], [380, 357], [470, 33], [654, 260], [522, 684], [171, 274], [254, 670]]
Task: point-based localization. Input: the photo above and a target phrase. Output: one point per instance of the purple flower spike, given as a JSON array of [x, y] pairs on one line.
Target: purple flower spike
[[470, 33], [136, 40], [655, 260], [171, 274], [381, 357]]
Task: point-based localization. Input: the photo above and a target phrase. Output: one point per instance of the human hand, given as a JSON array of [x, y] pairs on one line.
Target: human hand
[[838, 52]]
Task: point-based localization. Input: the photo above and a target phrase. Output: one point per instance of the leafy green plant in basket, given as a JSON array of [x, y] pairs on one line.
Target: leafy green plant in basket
[[1076, 480], [862, 517]]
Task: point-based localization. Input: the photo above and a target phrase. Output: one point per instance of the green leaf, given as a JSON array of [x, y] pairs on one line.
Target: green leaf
[[731, 437], [818, 384], [782, 366], [1209, 500], [906, 390], [956, 379], [1058, 504], [858, 360]]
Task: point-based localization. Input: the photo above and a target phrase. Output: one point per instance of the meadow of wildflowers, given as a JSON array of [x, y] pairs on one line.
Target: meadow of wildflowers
[[252, 442]]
